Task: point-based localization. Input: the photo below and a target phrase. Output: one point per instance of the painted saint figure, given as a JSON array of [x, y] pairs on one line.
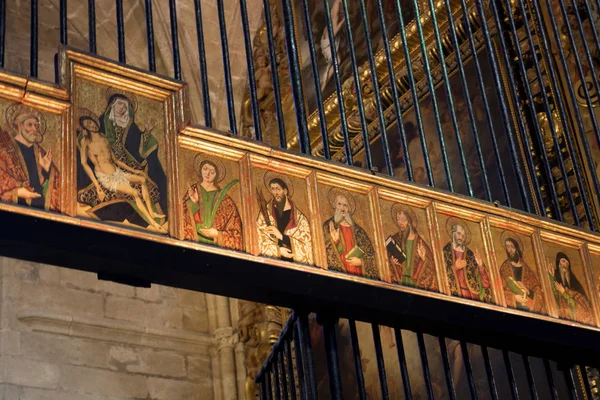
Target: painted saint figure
[[210, 215], [349, 249], [109, 173], [132, 145], [573, 303], [410, 258], [467, 274], [285, 233], [522, 288], [28, 175]]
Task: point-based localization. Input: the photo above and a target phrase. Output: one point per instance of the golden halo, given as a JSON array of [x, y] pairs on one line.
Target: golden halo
[[270, 175], [457, 221], [89, 114], [14, 110], [397, 207], [334, 192], [110, 92], [221, 171], [511, 235]]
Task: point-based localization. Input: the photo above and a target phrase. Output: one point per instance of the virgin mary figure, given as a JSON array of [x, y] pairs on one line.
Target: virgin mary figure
[[210, 214], [135, 147]]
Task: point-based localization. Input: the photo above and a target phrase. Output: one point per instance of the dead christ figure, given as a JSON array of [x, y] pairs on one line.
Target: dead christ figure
[[111, 174]]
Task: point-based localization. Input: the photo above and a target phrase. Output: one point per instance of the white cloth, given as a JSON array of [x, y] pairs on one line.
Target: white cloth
[[112, 181]]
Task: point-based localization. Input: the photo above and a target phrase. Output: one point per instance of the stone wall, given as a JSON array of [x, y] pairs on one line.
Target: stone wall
[[66, 335]]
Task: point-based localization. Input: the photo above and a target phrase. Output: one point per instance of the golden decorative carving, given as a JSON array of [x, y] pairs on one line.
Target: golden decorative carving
[[259, 327]]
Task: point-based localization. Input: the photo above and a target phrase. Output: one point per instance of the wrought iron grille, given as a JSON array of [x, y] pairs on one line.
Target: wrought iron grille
[[318, 356]]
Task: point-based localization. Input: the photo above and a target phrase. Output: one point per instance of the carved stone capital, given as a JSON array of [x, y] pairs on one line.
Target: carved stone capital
[[226, 337]]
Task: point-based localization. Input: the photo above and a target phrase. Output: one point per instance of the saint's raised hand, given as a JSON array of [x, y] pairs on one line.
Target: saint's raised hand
[[335, 233], [273, 231], [193, 193], [421, 251], [478, 258], [46, 161]]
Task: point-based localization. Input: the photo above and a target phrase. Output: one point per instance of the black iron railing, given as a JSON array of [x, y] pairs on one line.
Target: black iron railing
[[319, 357]]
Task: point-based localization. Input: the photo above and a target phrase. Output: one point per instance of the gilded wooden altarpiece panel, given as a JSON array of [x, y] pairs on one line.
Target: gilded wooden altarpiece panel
[[407, 224], [463, 250], [517, 260], [323, 217], [34, 144], [569, 278], [124, 123]]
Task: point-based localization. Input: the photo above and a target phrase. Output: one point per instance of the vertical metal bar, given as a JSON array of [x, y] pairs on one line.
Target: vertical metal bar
[[269, 387], [550, 378], [586, 382], [503, 103], [282, 371], [489, 372], [333, 367], [376, 91], [202, 60], [357, 86], [62, 10], [530, 378], [175, 40], [570, 380], [250, 66], [226, 67], [463, 79], [447, 369], [150, 36], [569, 84], [274, 75], [511, 375], [120, 31], [338, 84], [2, 32], [434, 103], [415, 96], [468, 369], [263, 389], [290, 367], [538, 131], [307, 359], [33, 57], [275, 372], [380, 361], [563, 117], [488, 113], [402, 362], [92, 26], [394, 89], [536, 126], [360, 380], [452, 109], [302, 384], [316, 80], [425, 364], [295, 76]]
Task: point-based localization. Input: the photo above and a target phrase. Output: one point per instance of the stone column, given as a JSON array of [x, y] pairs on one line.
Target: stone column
[[226, 338]]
